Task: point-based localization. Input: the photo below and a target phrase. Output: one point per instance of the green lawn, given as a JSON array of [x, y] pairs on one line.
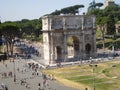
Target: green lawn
[[107, 76]]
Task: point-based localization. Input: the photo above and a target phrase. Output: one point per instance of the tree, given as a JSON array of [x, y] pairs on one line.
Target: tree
[[105, 19], [114, 10], [98, 5], [30, 28], [96, 12], [112, 13], [9, 32], [0, 37], [68, 10], [111, 25], [92, 6], [101, 23], [71, 9], [56, 12]]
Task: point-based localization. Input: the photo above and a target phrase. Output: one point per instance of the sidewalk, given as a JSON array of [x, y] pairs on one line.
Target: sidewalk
[[27, 74]]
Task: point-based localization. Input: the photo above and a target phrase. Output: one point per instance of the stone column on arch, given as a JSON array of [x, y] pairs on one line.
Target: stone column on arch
[[94, 44], [80, 46], [65, 50]]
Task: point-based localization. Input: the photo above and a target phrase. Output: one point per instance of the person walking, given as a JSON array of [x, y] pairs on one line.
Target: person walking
[[45, 83], [6, 88], [3, 86], [39, 86], [6, 65]]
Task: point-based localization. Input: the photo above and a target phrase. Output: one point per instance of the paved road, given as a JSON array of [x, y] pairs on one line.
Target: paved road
[[32, 80]]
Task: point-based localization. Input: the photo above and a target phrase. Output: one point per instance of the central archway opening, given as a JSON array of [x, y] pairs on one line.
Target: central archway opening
[[73, 47]]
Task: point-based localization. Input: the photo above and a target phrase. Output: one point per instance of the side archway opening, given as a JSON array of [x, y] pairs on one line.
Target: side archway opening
[[59, 54], [88, 48]]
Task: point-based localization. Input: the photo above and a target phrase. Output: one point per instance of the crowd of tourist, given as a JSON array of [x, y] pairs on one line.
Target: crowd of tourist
[[27, 51]]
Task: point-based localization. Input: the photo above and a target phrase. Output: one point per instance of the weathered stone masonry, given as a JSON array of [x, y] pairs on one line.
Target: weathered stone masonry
[[57, 30]]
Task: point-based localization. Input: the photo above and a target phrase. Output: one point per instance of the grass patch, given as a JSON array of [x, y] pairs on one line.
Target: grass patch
[[107, 76]]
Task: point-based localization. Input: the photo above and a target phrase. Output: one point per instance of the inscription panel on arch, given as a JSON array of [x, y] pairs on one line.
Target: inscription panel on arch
[[73, 23], [57, 23]]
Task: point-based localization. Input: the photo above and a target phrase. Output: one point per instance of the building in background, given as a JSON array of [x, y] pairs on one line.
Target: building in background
[[108, 3]]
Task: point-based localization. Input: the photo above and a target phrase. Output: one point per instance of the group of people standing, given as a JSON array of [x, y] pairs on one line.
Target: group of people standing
[[33, 68], [5, 74], [45, 83]]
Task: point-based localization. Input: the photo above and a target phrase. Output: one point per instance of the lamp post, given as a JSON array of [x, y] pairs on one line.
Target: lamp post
[[114, 43], [94, 74], [3, 43], [20, 33], [14, 70]]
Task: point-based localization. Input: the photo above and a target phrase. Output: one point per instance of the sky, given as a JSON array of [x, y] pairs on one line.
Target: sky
[[14, 10]]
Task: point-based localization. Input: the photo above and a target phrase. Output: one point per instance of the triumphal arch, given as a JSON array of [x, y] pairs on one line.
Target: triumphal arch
[[60, 31]]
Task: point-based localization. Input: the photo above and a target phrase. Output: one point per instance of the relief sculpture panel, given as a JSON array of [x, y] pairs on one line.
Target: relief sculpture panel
[[88, 23]]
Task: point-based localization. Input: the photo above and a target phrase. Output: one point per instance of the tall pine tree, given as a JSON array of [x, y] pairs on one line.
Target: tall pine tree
[[111, 25]]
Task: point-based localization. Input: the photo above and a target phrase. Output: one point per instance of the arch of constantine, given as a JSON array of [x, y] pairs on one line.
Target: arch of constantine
[[59, 30]]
